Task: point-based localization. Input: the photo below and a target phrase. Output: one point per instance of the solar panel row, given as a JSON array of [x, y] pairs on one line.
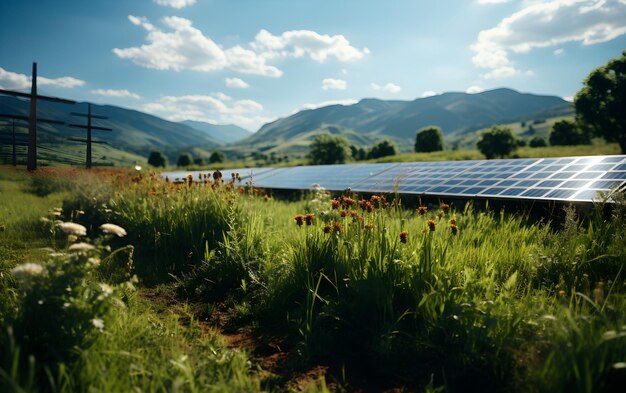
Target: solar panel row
[[565, 179]]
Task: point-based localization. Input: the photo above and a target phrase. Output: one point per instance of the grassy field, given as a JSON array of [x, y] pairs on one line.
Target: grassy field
[[214, 287]]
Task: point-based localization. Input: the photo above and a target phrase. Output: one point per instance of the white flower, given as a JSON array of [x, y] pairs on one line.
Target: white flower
[[27, 270], [72, 228], [81, 247], [94, 261], [106, 289], [98, 323], [137, 167], [113, 229]]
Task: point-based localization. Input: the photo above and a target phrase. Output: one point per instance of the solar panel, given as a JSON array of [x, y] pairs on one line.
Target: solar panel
[[562, 179]]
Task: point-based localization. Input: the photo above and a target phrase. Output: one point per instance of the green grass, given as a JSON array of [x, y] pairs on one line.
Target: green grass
[[504, 303]]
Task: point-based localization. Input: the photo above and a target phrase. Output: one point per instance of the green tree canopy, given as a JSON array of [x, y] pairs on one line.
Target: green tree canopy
[[382, 149], [217, 157], [499, 141], [329, 149], [184, 159], [429, 139], [538, 141], [157, 159], [567, 133], [600, 104]]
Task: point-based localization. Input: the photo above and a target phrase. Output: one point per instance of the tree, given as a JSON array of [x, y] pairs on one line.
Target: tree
[[538, 142], [600, 103], [567, 133], [499, 141], [429, 139], [382, 149], [357, 153], [217, 157], [198, 161], [157, 159], [184, 160], [329, 149]]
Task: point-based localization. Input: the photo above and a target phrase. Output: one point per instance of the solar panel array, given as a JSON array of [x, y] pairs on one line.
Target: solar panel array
[[561, 179]]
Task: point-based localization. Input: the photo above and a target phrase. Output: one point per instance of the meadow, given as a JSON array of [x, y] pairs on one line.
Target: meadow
[[120, 281]]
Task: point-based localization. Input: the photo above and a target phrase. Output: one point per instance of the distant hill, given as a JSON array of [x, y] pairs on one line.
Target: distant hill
[[133, 131], [224, 134], [372, 119]]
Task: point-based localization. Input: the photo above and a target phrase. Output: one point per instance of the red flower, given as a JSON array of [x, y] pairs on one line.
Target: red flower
[[335, 204], [453, 229], [328, 228], [422, 210], [309, 218], [299, 218], [453, 221], [403, 236], [343, 213], [338, 227], [431, 225], [445, 207]]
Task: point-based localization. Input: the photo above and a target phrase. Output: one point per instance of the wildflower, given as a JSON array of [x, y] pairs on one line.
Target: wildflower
[[422, 210], [431, 225], [217, 175], [98, 323], [440, 214], [453, 221], [343, 213], [369, 226], [309, 218], [445, 208], [72, 238], [81, 247], [453, 229], [561, 292], [403, 236], [347, 202], [266, 198], [299, 218], [95, 262], [338, 227], [335, 204], [72, 228], [106, 289], [137, 167], [328, 228], [27, 270], [113, 229]]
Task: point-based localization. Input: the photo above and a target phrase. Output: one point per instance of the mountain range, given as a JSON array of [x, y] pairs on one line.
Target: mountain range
[[363, 123]]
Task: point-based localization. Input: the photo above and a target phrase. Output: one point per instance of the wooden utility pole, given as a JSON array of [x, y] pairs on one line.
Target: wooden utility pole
[[90, 127], [32, 118]]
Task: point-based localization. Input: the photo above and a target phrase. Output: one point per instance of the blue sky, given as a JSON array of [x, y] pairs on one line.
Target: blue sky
[[248, 62]]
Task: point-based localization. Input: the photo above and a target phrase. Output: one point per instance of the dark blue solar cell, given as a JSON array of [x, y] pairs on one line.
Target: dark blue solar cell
[[563, 175], [487, 182], [522, 175], [513, 191], [456, 190], [439, 189], [453, 182], [469, 182], [588, 175], [621, 167], [473, 190], [601, 167], [575, 168], [540, 175], [575, 184], [493, 190], [526, 183], [605, 184], [507, 183], [613, 159], [561, 194], [614, 175], [549, 183], [536, 192]]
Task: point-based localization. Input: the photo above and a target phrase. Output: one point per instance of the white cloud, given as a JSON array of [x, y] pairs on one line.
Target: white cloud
[[181, 46], [545, 24], [558, 51], [217, 108], [428, 93], [345, 102], [176, 3], [236, 83], [116, 93], [334, 84], [299, 43], [569, 98], [389, 87], [474, 90], [13, 80], [187, 48]]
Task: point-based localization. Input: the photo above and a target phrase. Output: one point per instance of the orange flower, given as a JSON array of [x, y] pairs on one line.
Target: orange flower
[[335, 204], [338, 227], [403, 236], [453, 229], [369, 226], [347, 202], [309, 218], [445, 207], [453, 222], [328, 228], [299, 218], [343, 213], [431, 225], [422, 210]]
